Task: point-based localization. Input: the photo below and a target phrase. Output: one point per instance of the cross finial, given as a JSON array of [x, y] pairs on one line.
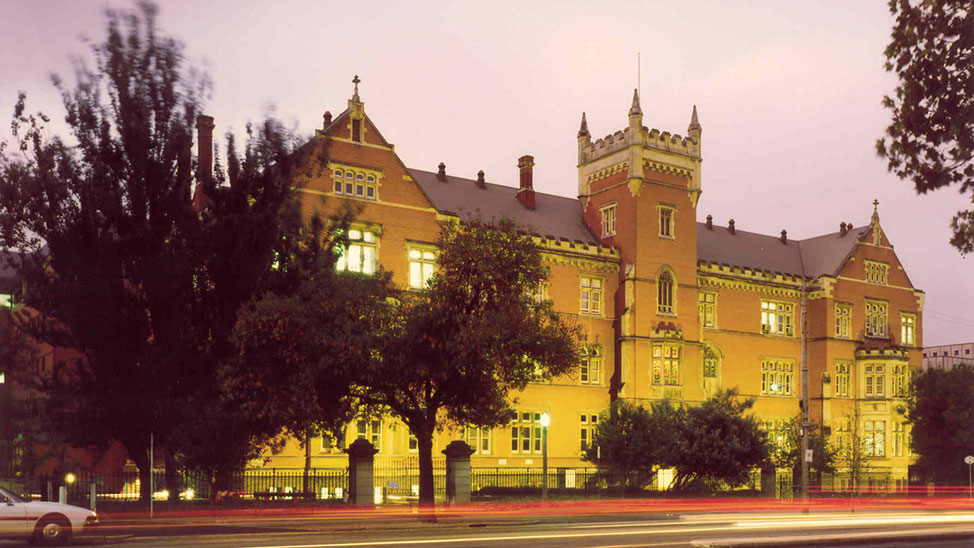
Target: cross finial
[[875, 211], [355, 81]]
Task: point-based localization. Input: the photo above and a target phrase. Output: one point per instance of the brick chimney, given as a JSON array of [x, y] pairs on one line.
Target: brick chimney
[[710, 222], [480, 180], [441, 172], [842, 229], [784, 236], [525, 165], [730, 227], [204, 128]]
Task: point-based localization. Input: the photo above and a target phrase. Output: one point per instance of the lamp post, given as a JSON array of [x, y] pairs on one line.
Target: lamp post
[[969, 460], [545, 421]]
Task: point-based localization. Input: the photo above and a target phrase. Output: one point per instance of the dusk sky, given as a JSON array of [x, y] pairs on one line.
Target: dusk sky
[[788, 94]]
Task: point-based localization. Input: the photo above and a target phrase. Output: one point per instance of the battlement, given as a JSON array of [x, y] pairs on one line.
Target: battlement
[[649, 138]]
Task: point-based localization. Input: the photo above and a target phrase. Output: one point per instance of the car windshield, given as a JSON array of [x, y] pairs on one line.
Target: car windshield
[[8, 496]]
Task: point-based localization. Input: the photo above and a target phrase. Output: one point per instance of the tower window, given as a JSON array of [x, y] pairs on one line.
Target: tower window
[[357, 131], [666, 218], [664, 294]]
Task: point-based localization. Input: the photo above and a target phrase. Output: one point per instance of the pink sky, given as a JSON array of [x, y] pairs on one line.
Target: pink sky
[[788, 96]]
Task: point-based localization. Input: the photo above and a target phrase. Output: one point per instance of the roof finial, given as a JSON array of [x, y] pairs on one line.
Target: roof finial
[[355, 81], [583, 130], [635, 103], [875, 211], [694, 121]]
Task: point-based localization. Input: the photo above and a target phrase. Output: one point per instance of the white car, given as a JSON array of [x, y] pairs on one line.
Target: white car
[[47, 523]]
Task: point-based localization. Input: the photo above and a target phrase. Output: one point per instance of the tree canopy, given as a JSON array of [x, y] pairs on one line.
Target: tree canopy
[[930, 139], [941, 412], [632, 440]]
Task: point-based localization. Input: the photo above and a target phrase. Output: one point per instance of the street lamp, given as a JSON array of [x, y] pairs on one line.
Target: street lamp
[[969, 460], [545, 421]]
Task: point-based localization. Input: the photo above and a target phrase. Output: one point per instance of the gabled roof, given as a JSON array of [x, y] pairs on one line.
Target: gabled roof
[[812, 257], [555, 216]]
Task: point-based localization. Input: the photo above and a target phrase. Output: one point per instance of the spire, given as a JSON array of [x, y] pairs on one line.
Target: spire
[[875, 218], [583, 130], [356, 81], [694, 121], [634, 110]]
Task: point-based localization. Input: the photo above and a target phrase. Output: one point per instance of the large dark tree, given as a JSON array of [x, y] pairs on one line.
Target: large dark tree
[[120, 266], [456, 350], [787, 451], [941, 412], [930, 140]]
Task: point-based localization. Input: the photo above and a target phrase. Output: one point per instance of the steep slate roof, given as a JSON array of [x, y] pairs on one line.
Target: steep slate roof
[[555, 216], [812, 257]]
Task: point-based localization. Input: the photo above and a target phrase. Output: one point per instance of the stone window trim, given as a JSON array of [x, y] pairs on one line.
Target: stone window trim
[[666, 286], [357, 182], [843, 379], [667, 221], [843, 320], [362, 253], [874, 381], [526, 433], [876, 272], [590, 372], [479, 439], [588, 421], [877, 318], [591, 294], [778, 377], [908, 333], [608, 219], [421, 259], [665, 363], [711, 361], [777, 318], [708, 309]]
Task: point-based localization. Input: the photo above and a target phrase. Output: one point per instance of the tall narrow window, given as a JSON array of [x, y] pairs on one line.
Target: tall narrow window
[[591, 291], [591, 371], [842, 377], [899, 384], [843, 320], [875, 438], [898, 438], [666, 364], [370, 430], [588, 422], [710, 361], [526, 433], [908, 329], [422, 264], [478, 439], [608, 220], [876, 318], [708, 309], [357, 131], [666, 215], [360, 255], [664, 293]]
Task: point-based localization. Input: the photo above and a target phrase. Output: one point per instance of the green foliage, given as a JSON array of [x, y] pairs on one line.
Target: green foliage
[[853, 456], [719, 441], [941, 412], [930, 139], [631, 438], [788, 453]]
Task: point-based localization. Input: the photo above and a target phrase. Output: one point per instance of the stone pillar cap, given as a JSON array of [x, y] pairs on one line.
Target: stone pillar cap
[[361, 448], [458, 449]]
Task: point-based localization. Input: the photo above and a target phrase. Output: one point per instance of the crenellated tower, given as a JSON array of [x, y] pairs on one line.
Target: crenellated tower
[[639, 188]]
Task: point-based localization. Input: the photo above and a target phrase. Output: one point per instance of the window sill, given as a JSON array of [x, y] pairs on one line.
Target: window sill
[[664, 237], [666, 314]]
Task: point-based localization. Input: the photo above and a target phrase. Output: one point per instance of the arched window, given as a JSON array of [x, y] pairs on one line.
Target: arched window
[[711, 362], [664, 293]]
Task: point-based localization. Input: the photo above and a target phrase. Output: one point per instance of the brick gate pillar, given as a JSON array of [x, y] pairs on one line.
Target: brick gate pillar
[[361, 456], [457, 472]]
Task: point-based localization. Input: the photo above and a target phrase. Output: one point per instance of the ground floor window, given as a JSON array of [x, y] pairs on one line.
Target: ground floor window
[[526, 433]]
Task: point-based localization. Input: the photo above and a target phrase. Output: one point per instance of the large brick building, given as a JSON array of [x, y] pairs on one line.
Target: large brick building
[[672, 307]]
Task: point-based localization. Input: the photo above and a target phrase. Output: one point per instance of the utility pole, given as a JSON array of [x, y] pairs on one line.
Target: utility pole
[[804, 402]]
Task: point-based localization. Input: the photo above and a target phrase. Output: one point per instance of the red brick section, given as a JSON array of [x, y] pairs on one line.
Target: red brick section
[[525, 166]]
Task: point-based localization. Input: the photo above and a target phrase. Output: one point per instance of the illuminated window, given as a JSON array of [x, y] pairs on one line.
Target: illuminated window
[[898, 438], [608, 220], [586, 431], [875, 380], [666, 214], [777, 377], [842, 377], [361, 254], [6, 301], [591, 371], [842, 434], [3, 377], [355, 182], [591, 295], [843, 320], [666, 364], [526, 433], [664, 293], [908, 329], [777, 318], [422, 264], [370, 430], [710, 362], [708, 309], [876, 273], [899, 384], [875, 438], [876, 318], [478, 439]]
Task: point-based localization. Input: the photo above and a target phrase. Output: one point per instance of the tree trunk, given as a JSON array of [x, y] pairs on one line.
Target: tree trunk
[[426, 485], [306, 484], [141, 459]]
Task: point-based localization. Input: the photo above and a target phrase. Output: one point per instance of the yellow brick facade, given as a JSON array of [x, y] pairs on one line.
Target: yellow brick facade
[[708, 331]]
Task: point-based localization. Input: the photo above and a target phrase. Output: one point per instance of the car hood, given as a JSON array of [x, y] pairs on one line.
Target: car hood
[[66, 509]]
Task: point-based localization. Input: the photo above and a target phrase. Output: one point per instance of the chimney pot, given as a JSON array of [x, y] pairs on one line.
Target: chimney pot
[[327, 118], [480, 179], [842, 229], [525, 193], [204, 128], [710, 222], [730, 226], [441, 173], [784, 236]]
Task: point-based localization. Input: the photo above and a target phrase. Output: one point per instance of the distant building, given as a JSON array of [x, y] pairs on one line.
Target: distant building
[[948, 355]]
